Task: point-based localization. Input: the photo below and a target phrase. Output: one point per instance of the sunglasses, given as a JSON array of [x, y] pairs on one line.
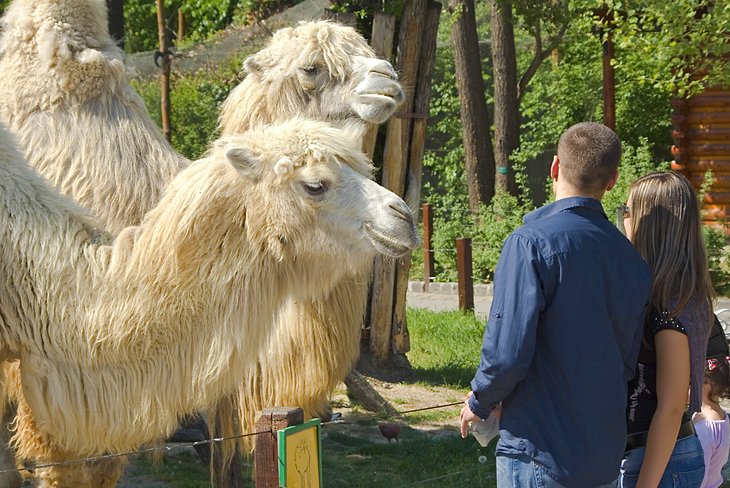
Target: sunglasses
[[624, 211]]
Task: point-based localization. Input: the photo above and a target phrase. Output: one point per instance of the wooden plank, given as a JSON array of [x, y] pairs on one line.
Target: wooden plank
[[266, 452], [421, 103], [718, 180], [694, 118], [394, 170], [382, 43], [702, 164], [708, 149], [717, 197], [709, 134], [721, 101], [464, 268]]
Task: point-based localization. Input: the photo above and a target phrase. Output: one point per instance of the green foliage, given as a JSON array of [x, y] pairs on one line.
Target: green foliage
[[676, 44], [195, 102], [202, 18], [718, 258]]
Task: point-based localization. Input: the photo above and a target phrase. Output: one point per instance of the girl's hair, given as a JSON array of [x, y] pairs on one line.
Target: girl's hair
[[666, 231], [717, 377]]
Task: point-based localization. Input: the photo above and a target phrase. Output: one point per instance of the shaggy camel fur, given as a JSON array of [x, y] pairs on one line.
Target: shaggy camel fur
[[63, 51], [125, 337]]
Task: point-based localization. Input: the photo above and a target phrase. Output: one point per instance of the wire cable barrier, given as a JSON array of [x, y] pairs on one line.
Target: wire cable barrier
[[209, 441]]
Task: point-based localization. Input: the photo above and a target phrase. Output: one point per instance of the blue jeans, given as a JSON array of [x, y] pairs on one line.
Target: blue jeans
[[685, 469], [523, 472]]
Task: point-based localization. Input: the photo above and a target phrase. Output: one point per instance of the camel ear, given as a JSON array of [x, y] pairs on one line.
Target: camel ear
[[243, 159], [250, 65]]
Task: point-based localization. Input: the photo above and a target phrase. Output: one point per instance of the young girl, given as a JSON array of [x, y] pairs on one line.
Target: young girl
[[712, 423], [663, 222]]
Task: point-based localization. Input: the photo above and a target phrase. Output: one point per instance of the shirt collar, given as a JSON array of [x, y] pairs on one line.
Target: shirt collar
[[565, 204]]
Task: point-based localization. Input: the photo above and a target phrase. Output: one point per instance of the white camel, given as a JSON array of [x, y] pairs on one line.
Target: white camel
[[119, 163], [126, 336]]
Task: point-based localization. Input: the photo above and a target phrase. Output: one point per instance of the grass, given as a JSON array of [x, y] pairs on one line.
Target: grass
[[445, 346], [445, 352]]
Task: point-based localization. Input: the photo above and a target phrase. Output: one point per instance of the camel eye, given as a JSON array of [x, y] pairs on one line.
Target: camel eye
[[315, 189], [310, 70]]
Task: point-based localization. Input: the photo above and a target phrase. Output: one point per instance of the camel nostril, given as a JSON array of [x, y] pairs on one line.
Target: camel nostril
[[401, 210]]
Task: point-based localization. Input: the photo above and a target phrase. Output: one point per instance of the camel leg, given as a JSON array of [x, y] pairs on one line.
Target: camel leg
[[7, 454], [99, 474], [32, 445]]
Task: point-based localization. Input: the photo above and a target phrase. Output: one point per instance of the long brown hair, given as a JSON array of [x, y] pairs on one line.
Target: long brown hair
[[666, 230]]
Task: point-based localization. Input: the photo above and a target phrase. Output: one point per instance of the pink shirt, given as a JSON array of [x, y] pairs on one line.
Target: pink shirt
[[714, 436]]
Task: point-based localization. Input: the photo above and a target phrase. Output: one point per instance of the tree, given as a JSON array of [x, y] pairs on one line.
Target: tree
[[508, 91], [506, 105], [478, 152]]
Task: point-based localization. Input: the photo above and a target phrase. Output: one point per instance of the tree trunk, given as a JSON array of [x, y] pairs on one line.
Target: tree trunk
[[478, 152], [116, 20], [506, 105]]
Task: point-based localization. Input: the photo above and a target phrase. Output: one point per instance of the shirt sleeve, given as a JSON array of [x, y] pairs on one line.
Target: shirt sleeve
[[509, 339]]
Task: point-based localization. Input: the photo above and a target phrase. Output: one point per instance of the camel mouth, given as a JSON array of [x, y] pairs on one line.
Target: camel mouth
[[377, 98], [386, 244]]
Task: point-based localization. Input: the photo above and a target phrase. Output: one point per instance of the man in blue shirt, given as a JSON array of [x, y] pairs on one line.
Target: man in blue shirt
[[563, 333]]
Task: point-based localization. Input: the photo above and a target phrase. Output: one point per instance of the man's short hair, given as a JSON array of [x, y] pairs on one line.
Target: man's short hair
[[589, 154]]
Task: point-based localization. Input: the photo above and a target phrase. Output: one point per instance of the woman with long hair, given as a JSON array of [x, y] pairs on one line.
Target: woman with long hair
[[662, 219]]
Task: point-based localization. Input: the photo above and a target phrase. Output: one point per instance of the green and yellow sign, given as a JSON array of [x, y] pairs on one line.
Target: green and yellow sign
[[300, 462]]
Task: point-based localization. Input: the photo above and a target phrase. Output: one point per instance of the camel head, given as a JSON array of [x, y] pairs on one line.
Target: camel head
[[56, 52], [316, 194], [321, 70]]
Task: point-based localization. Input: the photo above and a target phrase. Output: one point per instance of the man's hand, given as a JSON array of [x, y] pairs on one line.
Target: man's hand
[[467, 417]]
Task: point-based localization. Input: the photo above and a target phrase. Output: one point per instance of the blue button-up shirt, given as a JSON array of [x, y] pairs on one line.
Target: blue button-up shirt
[[562, 340]]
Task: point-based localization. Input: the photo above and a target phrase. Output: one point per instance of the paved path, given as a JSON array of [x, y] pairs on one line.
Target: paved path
[[446, 298]]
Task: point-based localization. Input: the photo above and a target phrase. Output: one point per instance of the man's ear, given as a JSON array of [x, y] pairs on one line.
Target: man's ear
[[612, 183], [555, 168]]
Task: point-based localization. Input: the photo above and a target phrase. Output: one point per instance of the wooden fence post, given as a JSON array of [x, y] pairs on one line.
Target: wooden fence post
[[428, 258], [466, 281], [266, 453]]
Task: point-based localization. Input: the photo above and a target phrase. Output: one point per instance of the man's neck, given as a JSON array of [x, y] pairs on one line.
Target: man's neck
[[566, 192]]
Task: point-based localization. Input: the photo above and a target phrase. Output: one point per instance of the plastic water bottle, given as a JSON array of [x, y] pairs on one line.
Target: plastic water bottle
[[485, 430]]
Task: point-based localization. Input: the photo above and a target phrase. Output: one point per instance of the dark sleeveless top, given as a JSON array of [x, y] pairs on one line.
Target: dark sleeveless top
[[642, 401]]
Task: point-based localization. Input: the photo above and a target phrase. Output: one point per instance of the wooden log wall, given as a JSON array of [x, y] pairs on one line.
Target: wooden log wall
[[702, 142]]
